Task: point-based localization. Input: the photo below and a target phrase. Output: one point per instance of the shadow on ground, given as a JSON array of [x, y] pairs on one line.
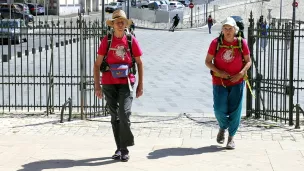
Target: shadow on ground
[[248, 124], [161, 153], [64, 163]]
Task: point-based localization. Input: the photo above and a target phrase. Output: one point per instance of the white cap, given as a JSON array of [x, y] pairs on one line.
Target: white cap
[[230, 21]]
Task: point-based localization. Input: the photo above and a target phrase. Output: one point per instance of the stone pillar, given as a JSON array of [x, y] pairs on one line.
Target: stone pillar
[[91, 6], [83, 4], [96, 4]]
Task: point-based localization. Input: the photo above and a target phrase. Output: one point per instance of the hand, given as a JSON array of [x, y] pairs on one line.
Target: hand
[[139, 90], [224, 75], [98, 91], [237, 77]]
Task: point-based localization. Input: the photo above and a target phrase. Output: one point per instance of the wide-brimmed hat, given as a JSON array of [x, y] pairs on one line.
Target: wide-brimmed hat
[[118, 14]]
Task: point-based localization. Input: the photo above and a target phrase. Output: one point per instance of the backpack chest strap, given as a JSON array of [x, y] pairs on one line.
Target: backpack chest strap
[[230, 47], [117, 49]]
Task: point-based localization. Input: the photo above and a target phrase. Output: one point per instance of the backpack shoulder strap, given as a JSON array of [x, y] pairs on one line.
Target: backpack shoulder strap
[[129, 38], [240, 42], [110, 37], [133, 66], [219, 43]]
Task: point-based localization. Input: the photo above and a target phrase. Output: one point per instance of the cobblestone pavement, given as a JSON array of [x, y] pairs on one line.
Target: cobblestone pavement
[[165, 141], [164, 125]]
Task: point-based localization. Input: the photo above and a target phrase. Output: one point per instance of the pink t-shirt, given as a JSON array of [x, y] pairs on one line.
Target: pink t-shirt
[[225, 60], [118, 53]]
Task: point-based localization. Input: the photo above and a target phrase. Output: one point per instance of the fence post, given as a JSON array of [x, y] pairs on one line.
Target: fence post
[[297, 126], [250, 70], [50, 98], [259, 76], [82, 69], [291, 106], [290, 88], [191, 18], [9, 49]]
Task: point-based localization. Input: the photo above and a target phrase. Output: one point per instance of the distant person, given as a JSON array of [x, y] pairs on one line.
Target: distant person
[[264, 34], [210, 23], [132, 28], [175, 23], [287, 34], [133, 3], [261, 19]]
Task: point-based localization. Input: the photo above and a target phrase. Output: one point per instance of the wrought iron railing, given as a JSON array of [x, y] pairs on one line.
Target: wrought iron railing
[[54, 62], [275, 73]]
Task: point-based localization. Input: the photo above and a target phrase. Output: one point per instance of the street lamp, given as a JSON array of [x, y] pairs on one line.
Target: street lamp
[[281, 4], [10, 8], [128, 9], [102, 16], [36, 7], [293, 14], [263, 5], [207, 3], [269, 16]]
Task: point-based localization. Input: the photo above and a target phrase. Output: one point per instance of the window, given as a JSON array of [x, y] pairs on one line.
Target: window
[[4, 10]]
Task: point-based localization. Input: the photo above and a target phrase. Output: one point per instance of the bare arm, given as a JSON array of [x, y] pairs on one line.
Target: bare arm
[[96, 71], [210, 65], [247, 64], [247, 61], [139, 90]]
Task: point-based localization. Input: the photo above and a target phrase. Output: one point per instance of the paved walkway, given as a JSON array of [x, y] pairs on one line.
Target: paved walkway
[[162, 142], [176, 78]]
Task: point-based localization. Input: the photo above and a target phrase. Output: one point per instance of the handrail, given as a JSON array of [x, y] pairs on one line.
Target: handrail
[[69, 101]]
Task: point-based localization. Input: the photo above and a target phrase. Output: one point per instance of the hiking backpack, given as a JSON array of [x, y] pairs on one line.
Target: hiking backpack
[[104, 67], [220, 45], [240, 37]]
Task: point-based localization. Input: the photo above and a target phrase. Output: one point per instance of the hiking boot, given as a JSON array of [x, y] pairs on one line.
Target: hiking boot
[[230, 143], [124, 155], [220, 138], [117, 155]]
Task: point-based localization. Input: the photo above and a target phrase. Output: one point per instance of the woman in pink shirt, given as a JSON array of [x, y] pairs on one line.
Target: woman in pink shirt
[[228, 65], [118, 81]]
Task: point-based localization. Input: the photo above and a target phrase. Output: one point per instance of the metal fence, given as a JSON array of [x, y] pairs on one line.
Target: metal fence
[[198, 13], [276, 74], [165, 26], [53, 66], [48, 65]]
